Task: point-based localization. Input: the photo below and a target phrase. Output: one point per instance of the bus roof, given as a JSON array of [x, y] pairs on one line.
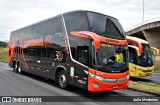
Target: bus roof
[[88, 11], [137, 39], [64, 14]]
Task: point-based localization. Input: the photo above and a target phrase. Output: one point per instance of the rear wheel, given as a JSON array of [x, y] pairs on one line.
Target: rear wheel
[[19, 68], [62, 79]]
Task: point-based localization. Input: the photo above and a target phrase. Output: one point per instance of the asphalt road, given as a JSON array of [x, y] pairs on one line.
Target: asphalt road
[[13, 84], [155, 78]]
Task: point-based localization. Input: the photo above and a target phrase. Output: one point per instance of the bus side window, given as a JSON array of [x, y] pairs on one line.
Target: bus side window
[[44, 52], [32, 51], [25, 51], [74, 55], [83, 54], [132, 55], [50, 53], [38, 52]]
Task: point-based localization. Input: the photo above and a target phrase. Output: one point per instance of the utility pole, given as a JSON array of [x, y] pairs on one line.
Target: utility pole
[[143, 14]]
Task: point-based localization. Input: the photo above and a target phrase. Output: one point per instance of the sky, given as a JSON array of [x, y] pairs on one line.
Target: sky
[[15, 14]]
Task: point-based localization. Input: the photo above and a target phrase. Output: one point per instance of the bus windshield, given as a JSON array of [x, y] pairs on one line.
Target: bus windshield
[[102, 25], [111, 58], [145, 59]]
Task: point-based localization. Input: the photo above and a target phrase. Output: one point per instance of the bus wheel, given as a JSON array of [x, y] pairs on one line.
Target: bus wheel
[[19, 68], [62, 80], [15, 67]]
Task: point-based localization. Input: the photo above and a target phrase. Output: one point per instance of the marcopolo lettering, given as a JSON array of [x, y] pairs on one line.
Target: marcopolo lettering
[[113, 41]]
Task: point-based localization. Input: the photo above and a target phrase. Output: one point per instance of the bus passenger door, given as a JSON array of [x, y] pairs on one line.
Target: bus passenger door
[[82, 57]]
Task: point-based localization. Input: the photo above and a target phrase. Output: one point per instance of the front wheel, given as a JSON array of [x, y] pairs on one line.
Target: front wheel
[[62, 79], [15, 67]]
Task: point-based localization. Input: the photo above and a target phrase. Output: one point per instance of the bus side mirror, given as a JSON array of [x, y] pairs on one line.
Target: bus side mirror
[[140, 47], [155, 51], [90, 35]]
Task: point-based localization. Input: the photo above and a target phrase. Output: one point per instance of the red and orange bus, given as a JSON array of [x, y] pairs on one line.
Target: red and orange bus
[[80, 48]]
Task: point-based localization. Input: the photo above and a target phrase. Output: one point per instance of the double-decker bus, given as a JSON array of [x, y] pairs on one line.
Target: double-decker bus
[[141, 57], [84, 49]]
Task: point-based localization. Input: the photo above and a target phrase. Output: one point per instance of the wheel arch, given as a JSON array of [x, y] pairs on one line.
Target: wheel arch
[[19, 61], [58, 69]]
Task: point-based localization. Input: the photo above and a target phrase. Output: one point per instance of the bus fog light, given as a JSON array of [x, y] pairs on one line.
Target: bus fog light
[[115, 87], [127, 76], [140, 69], [96, 85]]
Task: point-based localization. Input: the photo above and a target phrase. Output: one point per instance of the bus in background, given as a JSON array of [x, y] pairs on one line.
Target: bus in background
[[141, 57], [84, 49]]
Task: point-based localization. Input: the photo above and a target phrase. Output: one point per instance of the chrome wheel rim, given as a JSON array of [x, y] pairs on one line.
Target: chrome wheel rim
[[19, 69], [15, 67], [62, 80]]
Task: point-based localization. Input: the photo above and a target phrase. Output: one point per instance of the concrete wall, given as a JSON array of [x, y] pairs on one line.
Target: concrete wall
[[153, 37], [149, 32]]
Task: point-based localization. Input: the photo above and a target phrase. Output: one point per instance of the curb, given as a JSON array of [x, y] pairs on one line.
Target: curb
[[143, 91]]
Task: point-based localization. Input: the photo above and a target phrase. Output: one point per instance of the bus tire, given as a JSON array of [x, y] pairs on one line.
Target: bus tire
[[62, 79], [15, 66], [19, 68]]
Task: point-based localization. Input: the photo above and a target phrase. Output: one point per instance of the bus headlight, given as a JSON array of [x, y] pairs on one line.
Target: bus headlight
[[107, 79], [127, 76], [96, 77], [140, 69], [99, 78]]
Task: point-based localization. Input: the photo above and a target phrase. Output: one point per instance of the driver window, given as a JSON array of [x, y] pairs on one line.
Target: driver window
[[83, 54]]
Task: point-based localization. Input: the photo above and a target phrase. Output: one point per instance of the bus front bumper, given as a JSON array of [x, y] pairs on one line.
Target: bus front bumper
[[115, 83], [143, 71], [143, 74]]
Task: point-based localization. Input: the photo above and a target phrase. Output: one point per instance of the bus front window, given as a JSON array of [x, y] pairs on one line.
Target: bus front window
[[111, 58], [146, 58]]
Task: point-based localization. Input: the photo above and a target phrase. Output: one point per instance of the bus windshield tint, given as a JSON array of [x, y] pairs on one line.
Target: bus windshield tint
[[105, 25]]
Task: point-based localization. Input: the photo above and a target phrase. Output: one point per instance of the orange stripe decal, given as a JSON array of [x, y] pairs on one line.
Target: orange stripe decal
[[11, 50], [87, 34], [97, 38]]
